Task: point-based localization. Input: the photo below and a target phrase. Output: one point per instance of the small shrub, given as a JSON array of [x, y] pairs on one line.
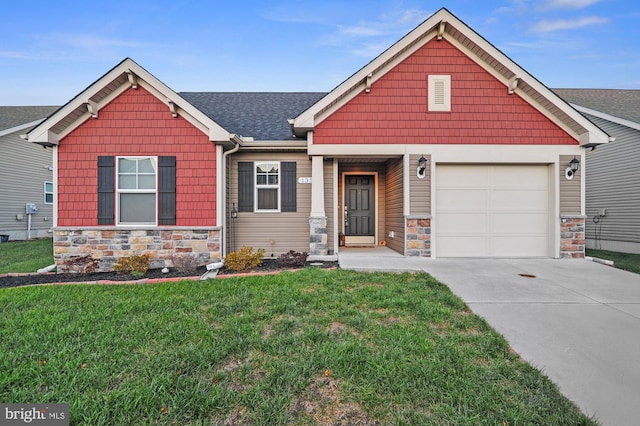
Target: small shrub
[[80, 264], [137, 265], [185, 262], [243, 259], [292, 259]]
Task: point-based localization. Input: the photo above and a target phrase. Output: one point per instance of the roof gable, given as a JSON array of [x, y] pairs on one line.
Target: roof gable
[[126, 74], [444, 25]]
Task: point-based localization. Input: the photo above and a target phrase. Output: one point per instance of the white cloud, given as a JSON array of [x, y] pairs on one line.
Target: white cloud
[[546, 26], [360, 30], [369, 50], [567, 4], [369, 38]]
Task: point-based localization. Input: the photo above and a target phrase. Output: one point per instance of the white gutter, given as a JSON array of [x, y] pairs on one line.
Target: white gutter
[[236, 139]]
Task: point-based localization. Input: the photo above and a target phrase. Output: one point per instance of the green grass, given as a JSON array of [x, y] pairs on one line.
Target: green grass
[[25, 256], [627, 261], [306, 347]]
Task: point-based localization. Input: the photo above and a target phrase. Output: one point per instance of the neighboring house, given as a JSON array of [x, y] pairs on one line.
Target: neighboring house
[[440, 147], [612, 183], [26, 175]]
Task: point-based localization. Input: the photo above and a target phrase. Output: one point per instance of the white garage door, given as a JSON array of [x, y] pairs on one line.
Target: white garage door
[[492, 211]]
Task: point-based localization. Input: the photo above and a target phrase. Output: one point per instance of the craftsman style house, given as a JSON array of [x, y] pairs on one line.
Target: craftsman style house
[[440, 147]]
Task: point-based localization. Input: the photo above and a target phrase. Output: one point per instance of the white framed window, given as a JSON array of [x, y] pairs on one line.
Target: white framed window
[[267, 194], [439, 93], [136, 183], [48, 192]]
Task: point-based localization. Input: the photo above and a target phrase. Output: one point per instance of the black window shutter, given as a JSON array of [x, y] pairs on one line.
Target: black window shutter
[[167, 190], [288, 201], [245, 186], [106, 190]]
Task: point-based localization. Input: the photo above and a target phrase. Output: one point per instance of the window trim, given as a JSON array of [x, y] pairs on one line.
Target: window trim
[[118, 191], [257, 187], [52, 192]]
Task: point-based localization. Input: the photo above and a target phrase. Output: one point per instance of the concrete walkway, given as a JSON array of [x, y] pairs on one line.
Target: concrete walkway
[[576, 320]]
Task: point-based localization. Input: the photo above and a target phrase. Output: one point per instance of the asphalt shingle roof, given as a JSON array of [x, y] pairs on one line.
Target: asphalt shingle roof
[[13, 116], [621, 103], [262, 115]]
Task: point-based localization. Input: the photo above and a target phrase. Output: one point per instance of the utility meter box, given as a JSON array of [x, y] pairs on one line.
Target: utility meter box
[[31, 208]]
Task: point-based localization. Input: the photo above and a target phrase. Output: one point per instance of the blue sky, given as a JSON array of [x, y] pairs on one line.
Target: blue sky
[[52, 50]]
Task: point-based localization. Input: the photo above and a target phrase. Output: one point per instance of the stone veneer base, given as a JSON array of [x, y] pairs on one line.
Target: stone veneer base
[[194, 245], [572, 236], [318, 236], [418, 236]]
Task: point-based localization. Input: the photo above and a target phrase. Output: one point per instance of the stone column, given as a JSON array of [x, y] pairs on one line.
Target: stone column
[[418, 236], [318, 236], [572, 236]]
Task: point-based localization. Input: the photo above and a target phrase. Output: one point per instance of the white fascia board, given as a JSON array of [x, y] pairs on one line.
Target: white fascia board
[[596, 135], [20, 127], [394, 54], [608, 117], [426, 32], [454, 153], [196, 117], [42, 132]]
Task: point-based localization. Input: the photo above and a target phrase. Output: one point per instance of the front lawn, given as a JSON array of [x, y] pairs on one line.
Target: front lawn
[[307, 347], [627, 261], [25, 256]]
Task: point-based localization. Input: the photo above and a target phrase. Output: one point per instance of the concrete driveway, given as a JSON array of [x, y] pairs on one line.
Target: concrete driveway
[[578, 321]]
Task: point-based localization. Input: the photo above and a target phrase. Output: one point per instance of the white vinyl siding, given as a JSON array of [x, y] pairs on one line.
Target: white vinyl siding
[[492, 211]]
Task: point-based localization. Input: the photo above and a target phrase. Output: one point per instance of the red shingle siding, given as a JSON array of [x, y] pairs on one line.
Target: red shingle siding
[[395, 111], [136, 123]]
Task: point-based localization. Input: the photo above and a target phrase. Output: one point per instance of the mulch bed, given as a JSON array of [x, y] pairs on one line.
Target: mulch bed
[[152, 275]]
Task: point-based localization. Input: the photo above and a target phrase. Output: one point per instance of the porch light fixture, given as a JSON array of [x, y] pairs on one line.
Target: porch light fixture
[[422, 167], [570, 171], [234, 211]]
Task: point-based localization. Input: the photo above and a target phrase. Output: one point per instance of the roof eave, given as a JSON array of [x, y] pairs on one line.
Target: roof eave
[[443, 24], [126, 74]]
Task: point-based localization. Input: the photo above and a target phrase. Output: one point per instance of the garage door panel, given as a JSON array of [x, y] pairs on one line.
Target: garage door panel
[[474, 200], [468, 246], [517, 246], [520, 223], [492, 211], [467, 223], [469, 176], [518, 200], [521, 176]]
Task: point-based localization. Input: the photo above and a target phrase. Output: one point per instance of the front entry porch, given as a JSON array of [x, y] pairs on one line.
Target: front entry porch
[[379, 259]]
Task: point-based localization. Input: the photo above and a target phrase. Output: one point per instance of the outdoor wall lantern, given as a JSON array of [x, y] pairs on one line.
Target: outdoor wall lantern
[[422, 167], [234, 212], [570, 171]]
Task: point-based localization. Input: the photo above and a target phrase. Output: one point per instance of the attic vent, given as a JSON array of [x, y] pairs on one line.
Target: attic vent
[[439, 92]]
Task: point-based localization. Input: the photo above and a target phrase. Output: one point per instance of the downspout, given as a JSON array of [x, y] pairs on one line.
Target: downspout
[[235, 139]]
